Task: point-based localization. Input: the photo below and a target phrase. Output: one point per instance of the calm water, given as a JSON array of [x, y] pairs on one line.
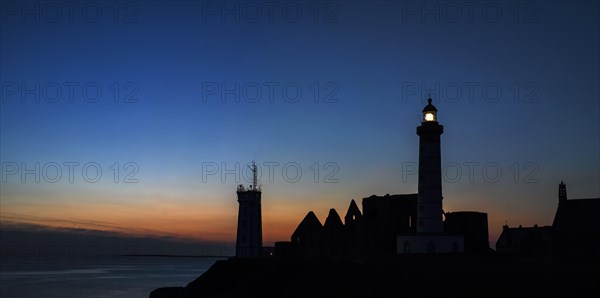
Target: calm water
[[115, 277]]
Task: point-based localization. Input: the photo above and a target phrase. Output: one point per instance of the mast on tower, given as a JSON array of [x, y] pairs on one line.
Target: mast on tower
[[254, 170]]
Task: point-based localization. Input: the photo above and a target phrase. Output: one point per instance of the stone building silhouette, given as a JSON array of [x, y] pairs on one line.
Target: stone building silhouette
[[575, 231], [576, 228], [374, 232], [395, 224], [525, 241]]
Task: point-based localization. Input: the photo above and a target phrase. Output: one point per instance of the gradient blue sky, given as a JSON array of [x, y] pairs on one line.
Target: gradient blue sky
[[370, 51]]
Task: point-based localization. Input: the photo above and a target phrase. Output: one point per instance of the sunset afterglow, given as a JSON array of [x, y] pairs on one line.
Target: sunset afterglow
[[145, 130]]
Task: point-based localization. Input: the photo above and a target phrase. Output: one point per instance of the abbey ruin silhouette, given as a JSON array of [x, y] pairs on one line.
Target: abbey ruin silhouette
[[416, 223]]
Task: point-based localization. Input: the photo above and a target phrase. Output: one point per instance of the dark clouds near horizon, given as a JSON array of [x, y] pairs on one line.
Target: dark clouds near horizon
[[30, 244]]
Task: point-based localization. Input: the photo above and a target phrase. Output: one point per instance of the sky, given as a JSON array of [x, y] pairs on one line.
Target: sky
[[139, 118]]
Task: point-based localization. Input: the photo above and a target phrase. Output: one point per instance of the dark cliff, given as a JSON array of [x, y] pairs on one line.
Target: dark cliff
[[423, 276]]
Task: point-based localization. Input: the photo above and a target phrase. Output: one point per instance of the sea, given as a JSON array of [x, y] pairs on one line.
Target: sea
[[113, 277]]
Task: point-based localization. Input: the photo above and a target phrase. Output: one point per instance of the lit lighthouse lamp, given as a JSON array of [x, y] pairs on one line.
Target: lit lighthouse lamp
[[429, 112]]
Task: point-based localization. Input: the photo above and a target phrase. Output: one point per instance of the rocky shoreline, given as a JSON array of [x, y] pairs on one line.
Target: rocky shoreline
[[422, 276]]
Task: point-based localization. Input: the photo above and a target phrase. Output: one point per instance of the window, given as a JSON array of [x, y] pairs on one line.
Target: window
[[410, 221], [421, 223]]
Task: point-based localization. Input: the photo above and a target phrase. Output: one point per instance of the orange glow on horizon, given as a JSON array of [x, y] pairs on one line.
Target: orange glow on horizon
[[212, 220], [194, 222]]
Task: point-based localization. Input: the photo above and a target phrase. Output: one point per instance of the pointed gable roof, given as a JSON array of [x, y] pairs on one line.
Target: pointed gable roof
[[353, 212], [309, 224], [333, 220]]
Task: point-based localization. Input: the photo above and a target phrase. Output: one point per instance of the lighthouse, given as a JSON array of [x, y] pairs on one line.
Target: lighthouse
[[249, 229], [430, 237], [429, 204]]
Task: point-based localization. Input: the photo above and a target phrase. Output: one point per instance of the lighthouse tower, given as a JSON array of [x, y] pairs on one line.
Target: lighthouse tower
[[429, 204], [430, 237], [249, 229]]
